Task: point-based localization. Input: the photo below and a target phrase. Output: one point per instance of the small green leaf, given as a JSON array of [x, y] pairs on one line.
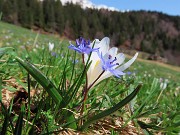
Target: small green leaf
[[112, 109]]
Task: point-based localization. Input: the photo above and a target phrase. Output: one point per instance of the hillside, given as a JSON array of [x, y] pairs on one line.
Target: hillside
[[150, 108], [155, 33], [18, 37]]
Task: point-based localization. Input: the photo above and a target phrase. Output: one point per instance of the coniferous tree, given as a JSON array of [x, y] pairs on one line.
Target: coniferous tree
[[31, 5], [1, 5], [7, 10], [38, 14], [59, 18], [49, 15], [84, 27], [23, 13], [15, 12]]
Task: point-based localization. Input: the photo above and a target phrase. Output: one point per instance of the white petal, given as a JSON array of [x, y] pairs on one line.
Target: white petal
[[104, 76], [120, 58], [51, 46], [95, 73], [127, 64], [104, 45], [95, 43], [113, 51]]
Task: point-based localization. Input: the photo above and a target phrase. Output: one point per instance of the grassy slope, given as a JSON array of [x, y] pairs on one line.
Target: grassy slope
[[144, 70], [11, 35]]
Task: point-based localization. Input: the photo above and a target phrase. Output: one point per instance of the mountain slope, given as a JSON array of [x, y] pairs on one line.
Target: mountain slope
[[154, 33]]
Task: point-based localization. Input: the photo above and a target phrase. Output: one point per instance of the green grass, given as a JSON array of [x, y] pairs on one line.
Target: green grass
[[153, 103]]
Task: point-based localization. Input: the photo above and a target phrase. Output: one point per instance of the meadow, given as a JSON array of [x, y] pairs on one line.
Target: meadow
[[41, 91]]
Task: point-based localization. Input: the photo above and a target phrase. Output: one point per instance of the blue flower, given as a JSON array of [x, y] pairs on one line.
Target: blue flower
[[54, 54], [82, 46], [106, 62], [109, 64]]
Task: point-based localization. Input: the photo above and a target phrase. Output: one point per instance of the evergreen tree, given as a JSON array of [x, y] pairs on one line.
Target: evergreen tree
[[31, 5], [84, 27], [49, 15], [7, 10], [59, 18], [23, 13], [1, 5], [38, 14]]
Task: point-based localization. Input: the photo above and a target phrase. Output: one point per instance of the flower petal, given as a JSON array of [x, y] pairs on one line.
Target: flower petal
[[127, 64], [95, 43], [113, 51], [95, 73], [104, 45], [120, 58]]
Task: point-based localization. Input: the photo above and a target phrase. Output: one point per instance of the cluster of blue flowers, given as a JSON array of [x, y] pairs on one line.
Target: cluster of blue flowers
[[83, 46]]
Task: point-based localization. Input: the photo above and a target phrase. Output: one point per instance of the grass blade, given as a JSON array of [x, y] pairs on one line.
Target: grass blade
[[4, 50], [112, 109], [150, 126], [42, 79], [19, 124], [0, 89]]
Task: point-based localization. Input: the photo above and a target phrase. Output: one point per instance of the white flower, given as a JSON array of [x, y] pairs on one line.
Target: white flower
[[51, 46], [163, 84], [110, 55]]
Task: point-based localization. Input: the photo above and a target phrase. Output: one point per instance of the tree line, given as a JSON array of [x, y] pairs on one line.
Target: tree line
[[142, 30]]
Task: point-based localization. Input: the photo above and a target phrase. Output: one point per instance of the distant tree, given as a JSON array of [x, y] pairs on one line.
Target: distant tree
[[8, 10], [49, 15], [84, 27], [1, 5], [38, 14], [23, 13], [31, 7], [59, 17]]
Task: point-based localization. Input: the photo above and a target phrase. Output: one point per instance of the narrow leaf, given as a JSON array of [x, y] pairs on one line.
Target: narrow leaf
[[150, 126], [0, 89], [112, 109], [42, 79], [5, 125], [19, 124], [71, 120]]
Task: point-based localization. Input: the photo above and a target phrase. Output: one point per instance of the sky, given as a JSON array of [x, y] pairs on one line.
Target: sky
[[171, 7]]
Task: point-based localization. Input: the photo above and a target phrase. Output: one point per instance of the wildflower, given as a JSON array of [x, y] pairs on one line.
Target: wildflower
[[129, 73], [54, 54], [82, 46], [51, 46], [163, 83], [106, 63]]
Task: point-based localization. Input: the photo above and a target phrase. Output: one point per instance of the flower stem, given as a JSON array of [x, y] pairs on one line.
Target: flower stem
[[85, 92]]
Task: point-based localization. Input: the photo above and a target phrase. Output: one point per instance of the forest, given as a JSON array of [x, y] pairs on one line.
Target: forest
[[155, 33]]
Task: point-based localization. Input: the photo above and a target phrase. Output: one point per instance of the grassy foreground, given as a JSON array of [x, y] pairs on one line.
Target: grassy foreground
[[155, 109]]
